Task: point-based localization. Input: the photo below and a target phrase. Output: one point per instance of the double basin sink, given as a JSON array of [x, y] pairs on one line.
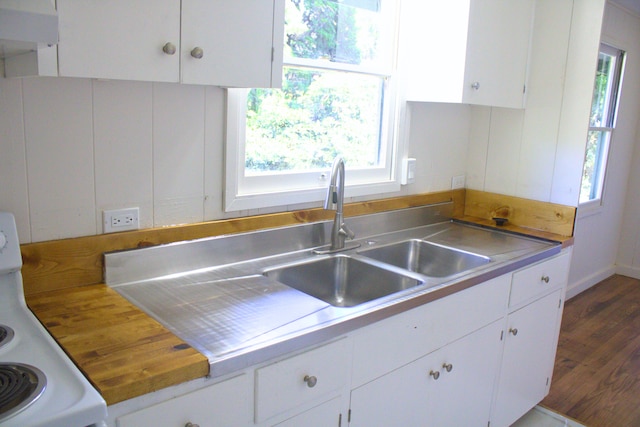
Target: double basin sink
[[344, 280]]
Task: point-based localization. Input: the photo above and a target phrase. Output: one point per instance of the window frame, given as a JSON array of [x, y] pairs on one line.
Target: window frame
[[607, 131], [243, 192]]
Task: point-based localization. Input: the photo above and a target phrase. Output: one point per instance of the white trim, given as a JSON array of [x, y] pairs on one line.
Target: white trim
[[589, 281], [628, 270]]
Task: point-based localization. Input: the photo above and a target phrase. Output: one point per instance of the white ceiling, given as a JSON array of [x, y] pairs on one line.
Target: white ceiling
[[632, 5]]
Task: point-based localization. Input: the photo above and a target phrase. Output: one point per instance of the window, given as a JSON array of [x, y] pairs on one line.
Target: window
[[337, 99], [601, 123]]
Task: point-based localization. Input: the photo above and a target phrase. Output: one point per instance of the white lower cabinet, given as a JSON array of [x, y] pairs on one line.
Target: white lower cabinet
[[527, 363], [451, 386], [225, 404], [326, 414]]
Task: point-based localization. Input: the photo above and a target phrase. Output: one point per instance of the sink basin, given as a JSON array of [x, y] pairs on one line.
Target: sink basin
[[342, 281], [426, 258]]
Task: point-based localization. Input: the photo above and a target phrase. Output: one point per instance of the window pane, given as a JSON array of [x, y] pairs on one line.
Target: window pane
[[335, 31], [600, 106], [317, 115], [594, 165]]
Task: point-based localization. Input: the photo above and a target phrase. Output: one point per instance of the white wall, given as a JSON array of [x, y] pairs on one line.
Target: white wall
[[601, 238], [622, 29], [71, 148]]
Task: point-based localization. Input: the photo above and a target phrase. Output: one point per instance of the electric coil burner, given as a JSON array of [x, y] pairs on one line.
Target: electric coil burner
[[39, 385]]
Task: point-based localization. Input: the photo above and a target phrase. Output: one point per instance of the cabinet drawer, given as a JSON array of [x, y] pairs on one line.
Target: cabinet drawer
[[539, 279], [300, 379], [398, 340], [220, 405]]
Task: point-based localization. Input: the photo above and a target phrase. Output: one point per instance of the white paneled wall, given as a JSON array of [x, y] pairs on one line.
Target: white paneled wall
[[71, 148]]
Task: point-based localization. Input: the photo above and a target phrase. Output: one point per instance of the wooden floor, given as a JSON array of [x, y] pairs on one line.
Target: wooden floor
[[597, 371]]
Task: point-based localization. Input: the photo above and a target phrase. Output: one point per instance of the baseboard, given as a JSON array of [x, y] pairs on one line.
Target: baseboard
[[629, 271], [575, 288]]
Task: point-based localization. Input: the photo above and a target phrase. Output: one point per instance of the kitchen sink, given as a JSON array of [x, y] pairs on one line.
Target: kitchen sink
[[426, 258], [341, 280]]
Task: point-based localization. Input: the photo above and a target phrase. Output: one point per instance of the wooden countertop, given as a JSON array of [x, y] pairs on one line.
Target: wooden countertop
[[122, 351]]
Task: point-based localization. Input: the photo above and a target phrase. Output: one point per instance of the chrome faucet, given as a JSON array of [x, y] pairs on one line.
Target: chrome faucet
[[335, 201]]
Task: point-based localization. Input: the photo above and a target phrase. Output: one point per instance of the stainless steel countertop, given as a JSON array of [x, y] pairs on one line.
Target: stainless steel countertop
[[216, 298]]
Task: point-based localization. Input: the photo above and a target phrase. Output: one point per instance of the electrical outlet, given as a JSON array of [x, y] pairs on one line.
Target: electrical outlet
[[120, 220], [457, 182]]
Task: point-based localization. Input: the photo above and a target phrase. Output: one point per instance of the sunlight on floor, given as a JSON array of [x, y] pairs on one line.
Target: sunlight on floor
[[542, 417]]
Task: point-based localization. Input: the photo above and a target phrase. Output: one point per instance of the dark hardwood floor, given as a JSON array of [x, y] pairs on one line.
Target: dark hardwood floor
[[596, 380]]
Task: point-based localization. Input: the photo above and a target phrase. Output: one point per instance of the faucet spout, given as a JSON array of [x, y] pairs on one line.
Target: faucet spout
[[335, 201]]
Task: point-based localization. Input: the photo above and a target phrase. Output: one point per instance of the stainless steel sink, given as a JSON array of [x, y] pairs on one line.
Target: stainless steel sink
[[341, 280], [426, 258]]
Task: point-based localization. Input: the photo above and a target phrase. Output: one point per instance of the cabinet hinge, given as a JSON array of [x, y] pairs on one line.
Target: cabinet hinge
[[501, 335], [349, 416], [340, 420], [524, 89], [560, 303], [273, 53], [547, 381]]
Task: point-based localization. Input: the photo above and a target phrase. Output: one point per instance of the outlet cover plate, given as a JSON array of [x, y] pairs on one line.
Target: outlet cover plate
[[457, 182], [120, 220]]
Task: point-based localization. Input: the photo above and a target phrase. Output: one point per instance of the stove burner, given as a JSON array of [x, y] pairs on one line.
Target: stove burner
[[20, 386], [6, 334]]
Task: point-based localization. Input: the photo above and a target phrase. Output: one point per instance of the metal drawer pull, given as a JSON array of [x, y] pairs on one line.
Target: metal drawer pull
[[435, 374], [545, 279], [447, 367], [513, 331], [310, 380], [190, 424]]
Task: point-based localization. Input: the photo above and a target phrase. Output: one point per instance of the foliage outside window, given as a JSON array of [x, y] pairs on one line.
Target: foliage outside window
[[601, 122], [336, 100]]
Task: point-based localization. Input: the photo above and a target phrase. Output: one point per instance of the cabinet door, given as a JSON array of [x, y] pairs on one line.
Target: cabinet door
[[325, 415], [462, 394], [240, 42], [119, 39], [221, 405], [451, 386], [527, 363], [497, 52]]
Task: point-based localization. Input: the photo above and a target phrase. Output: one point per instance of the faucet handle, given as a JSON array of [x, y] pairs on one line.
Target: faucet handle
[[345, 231]]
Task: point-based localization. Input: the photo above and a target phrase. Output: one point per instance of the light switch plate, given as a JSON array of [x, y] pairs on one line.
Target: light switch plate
[[408, 171], [457, 182]]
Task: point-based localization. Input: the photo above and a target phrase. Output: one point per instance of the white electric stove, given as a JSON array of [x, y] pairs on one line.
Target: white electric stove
[[39, 385]]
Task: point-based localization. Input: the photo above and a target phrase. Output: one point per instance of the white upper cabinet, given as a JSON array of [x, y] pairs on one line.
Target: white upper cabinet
[[213, 42], [466, 51], [119, 39]]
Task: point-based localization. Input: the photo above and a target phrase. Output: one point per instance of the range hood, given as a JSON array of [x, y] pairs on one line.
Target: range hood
[[26, 25]]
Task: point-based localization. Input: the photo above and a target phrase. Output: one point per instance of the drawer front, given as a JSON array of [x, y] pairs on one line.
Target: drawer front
[[301, 379], [398, 340], [539, 279], [221, 405]]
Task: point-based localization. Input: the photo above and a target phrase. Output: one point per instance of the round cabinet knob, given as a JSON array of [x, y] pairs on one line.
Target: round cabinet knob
[[475, 85], [513, 331], [191, 425], [310, 380], [447, 367], [435, 374], [197, 52], [169, 48], [545, 279]]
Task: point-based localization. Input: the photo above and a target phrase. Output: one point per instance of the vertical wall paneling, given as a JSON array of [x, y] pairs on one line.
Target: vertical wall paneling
[[544, 98], [478, 147], [123, 148], [59, 141], [13, 165], [178, 153], [584, 40], [505, 136], [214, 152]]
